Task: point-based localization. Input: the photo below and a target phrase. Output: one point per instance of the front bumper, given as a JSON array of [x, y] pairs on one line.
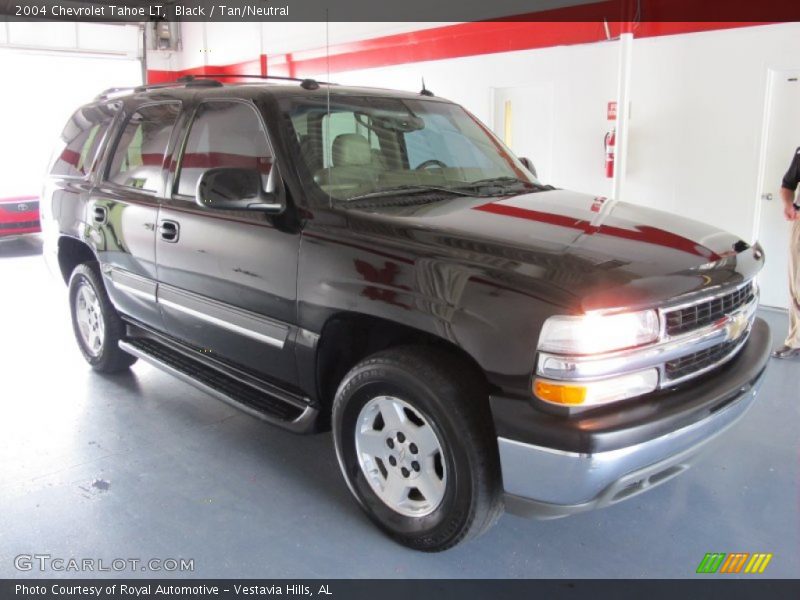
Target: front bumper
[[8, 229], [603, 459], [15, 222]]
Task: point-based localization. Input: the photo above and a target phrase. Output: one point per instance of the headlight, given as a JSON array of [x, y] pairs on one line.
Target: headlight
[[596, 333]]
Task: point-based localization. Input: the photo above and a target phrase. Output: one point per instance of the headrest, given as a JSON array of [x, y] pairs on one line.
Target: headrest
[[351, 150]]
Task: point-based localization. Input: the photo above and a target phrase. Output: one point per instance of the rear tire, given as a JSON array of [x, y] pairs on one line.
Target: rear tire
[[415, 443], [95, 322]]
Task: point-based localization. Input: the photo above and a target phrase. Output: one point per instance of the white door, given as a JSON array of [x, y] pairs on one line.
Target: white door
[[523, 119], [782, 126]]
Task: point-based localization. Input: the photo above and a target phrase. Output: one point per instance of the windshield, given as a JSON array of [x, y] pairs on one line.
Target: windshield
[[374, 146]]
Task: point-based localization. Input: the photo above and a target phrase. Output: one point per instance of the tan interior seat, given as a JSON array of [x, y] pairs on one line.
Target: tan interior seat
[[353, 163]]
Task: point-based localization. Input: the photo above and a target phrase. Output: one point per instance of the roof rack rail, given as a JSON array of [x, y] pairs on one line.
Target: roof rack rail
[[119, 91], [306, 84], [112, 91], [206, 80], [178, 83]]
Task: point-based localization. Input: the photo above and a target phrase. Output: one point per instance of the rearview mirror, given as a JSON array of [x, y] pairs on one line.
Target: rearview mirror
[[526, 162], [239, 189]]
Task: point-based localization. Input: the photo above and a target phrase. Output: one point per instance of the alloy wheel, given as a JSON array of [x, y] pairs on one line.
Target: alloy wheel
[[90, 319], [401, 456]]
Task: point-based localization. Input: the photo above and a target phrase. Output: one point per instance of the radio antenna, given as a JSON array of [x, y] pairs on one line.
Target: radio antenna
[[424, 91]]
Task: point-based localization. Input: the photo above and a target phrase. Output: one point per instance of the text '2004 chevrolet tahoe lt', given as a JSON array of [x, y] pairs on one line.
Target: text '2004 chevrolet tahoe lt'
[[378, 263]]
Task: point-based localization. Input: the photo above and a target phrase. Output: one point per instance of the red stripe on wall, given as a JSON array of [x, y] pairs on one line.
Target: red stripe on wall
[[249, 67], [466, 39], [452, 41], [439, 43]]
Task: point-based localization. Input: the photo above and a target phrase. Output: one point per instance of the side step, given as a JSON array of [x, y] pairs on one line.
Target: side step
[[255, 402]]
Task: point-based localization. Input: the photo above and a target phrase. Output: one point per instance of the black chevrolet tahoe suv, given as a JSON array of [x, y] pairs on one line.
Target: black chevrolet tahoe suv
[[378, 263]]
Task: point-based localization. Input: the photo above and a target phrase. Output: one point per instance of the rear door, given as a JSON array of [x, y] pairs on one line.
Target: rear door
[[227, 279], [123, 209]]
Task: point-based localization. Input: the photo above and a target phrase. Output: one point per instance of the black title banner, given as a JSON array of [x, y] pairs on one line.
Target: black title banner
[[372, 589], [763, 11]]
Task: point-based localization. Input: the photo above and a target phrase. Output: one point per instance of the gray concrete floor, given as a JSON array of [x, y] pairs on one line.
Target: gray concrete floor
[[189, 477]]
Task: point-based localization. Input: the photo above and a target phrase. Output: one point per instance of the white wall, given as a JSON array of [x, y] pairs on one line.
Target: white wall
[[221, 51], [696, 119]]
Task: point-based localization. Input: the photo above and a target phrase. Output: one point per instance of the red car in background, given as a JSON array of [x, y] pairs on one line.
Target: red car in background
[[19, 215]]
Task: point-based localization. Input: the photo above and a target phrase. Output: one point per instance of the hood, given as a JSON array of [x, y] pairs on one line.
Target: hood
[[14, 200], [596, 253]]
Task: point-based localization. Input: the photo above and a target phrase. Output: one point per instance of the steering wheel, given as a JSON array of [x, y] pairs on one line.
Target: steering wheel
[[430, 163]]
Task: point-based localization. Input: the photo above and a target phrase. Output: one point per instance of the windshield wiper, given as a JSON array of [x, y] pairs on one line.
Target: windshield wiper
[[409, 189], [504, 181]]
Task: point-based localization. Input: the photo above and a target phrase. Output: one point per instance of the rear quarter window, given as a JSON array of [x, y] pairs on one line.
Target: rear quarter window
[[80, 141]]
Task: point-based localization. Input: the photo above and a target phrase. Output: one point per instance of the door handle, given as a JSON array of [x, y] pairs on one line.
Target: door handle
[[169, 230], [100, 215], [767, 196]]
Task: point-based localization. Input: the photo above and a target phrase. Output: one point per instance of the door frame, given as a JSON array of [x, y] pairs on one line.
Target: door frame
[[766, 115], [773, 74]]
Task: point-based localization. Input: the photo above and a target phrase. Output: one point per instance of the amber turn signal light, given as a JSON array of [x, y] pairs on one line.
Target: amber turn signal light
[[559, 393]]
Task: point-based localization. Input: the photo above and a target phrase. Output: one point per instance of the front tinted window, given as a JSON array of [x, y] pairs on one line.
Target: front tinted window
[[139, 152], [80, 140], [223, 134], [443, 141], [362, 145]]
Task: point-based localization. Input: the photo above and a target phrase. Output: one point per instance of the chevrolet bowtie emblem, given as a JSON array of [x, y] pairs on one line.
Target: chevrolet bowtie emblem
[[737, 324]]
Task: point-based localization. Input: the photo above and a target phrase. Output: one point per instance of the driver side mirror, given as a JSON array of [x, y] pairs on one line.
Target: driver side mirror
[[239, 189], [526, 162]]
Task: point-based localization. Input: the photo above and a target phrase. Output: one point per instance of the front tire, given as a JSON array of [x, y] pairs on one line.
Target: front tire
[[415, 443], [95, 322]]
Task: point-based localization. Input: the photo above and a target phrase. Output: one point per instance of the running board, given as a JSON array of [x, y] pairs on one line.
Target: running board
[[253, 401]]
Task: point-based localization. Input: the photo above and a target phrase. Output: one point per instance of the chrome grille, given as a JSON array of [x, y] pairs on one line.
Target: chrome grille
[[698, 361], [705, 312]]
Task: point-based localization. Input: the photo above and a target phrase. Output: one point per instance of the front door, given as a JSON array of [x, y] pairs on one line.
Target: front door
[[782, 140], [227, 279]]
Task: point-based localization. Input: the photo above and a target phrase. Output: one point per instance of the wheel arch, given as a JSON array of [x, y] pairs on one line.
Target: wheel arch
[[71, 253], [348, 337]]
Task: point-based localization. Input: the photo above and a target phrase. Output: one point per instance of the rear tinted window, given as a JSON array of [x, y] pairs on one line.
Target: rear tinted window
[[139, 152], [80, 140]]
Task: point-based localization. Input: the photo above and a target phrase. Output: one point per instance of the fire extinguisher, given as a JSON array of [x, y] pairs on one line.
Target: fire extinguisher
[[610, 142]]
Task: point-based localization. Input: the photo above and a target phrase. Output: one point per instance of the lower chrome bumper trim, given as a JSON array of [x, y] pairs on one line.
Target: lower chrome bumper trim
[[557, 482]]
